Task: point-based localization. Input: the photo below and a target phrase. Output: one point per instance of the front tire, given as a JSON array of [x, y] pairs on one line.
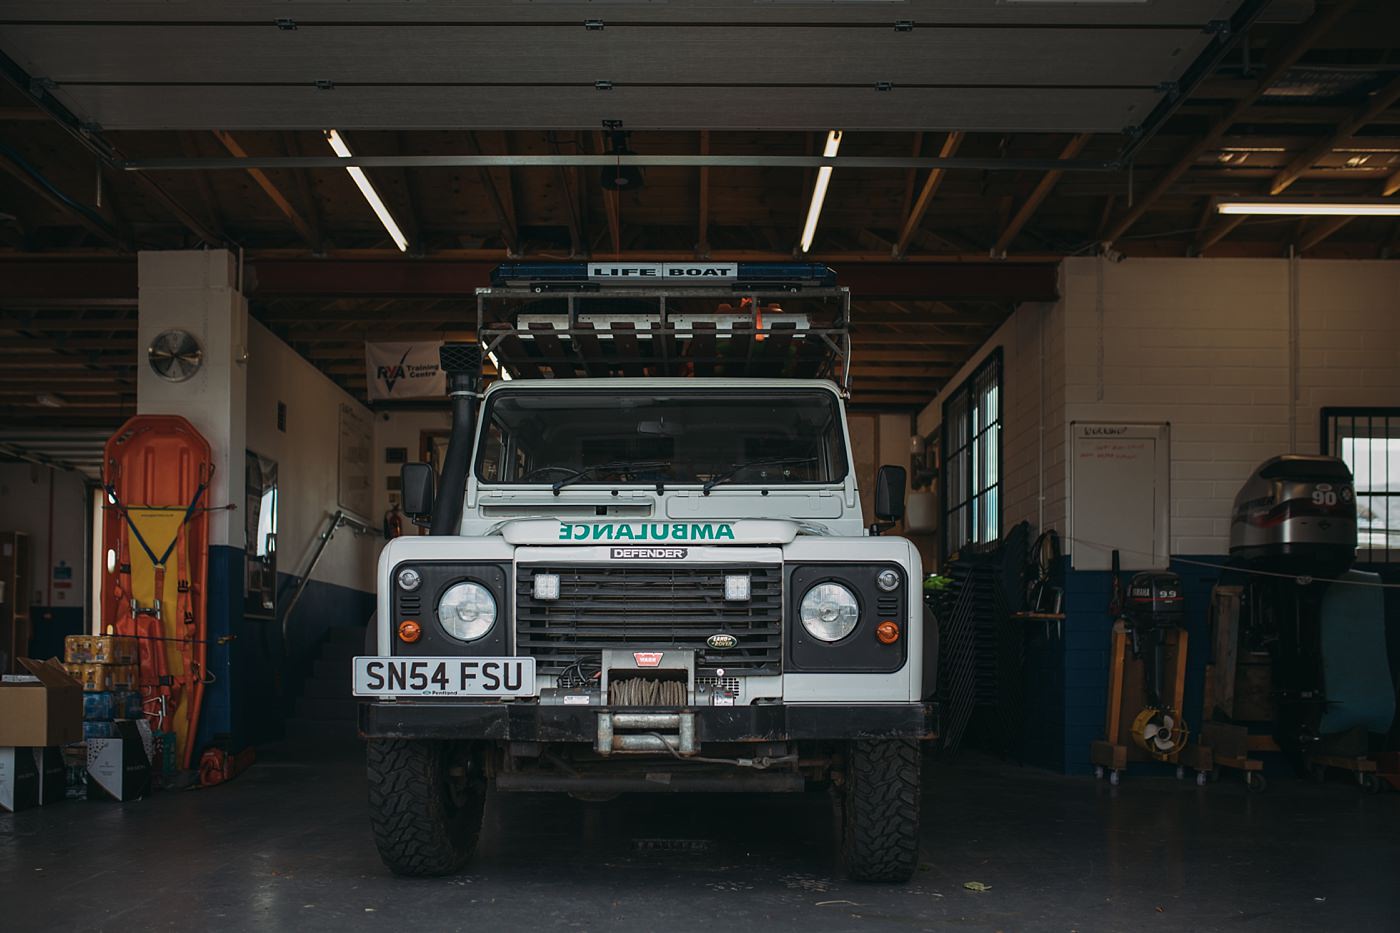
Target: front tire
[[425, 802], [881, 826]]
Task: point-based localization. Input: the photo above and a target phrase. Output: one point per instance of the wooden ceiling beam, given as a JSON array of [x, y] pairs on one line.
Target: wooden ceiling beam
[[303, 229], [500, 195], [1038, 195], [87, 218], [1305, 38], [1345, 130], [935, 178], [612, 203], [1326, 228]]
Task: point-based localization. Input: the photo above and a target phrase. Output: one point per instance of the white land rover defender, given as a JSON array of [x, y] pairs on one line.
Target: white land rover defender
[[656, 584]]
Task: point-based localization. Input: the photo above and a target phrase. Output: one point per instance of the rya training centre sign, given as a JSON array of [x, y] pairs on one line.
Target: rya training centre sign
[[404, 370]]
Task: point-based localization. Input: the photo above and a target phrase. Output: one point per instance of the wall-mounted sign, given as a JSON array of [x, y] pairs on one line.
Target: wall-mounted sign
[[404, 370]]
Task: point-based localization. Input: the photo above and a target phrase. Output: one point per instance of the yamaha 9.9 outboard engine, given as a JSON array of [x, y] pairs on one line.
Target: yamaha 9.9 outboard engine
[[1154, 607]]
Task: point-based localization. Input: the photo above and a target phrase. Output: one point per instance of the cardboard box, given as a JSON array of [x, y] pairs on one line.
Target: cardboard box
[[119, 768], [19, 779], [101, 678], [99, 649], [31, 777], [46, 711]]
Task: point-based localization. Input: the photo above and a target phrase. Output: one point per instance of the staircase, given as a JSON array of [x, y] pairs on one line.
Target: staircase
[[326, 708]]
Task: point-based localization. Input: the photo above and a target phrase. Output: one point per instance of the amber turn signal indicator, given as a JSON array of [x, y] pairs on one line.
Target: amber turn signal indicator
[[887, 632], [410, 631]]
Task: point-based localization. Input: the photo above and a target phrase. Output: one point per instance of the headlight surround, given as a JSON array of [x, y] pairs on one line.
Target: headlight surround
[[829, 611], [467, 611]]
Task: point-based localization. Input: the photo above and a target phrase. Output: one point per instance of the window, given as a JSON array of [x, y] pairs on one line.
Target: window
[[1368, 439], [650, 436], [972, 459]]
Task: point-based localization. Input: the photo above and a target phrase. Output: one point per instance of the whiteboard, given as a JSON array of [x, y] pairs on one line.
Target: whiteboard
[[1119, 495]]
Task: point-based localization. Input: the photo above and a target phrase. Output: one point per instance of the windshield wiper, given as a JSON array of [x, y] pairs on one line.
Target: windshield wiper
[[626, 466], [740, 467]]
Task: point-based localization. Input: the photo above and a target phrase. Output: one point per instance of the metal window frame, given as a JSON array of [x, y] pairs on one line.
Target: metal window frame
[[1330, 433], [960, 514]]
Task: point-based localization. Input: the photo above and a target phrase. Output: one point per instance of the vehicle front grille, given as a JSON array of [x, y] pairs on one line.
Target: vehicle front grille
[[650, 606]]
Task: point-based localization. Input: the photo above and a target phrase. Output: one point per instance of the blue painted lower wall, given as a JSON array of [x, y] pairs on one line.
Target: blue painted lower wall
[[256, 674], [1067, 679]]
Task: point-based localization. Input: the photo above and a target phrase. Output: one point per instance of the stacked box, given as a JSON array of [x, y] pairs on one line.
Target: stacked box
[[101, 678], [99, 649]]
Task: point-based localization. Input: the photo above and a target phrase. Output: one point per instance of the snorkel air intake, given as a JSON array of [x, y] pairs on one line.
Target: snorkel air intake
[[462, 364]]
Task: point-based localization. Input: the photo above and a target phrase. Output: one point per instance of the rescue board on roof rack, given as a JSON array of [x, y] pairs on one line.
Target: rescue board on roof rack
[[770, 320]]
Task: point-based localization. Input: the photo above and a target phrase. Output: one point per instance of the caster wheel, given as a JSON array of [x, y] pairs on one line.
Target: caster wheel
[[1113, 778], [1200, 779], [1180, 772], [1098, 772], [1254, 782], [1369, 782]]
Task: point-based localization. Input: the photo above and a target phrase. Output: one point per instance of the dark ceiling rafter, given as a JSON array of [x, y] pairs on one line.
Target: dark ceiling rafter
[[1308, 35], [1314, 237], [951, 142], [90, 137], [1037, 196], [1379, 103], [269, 188]]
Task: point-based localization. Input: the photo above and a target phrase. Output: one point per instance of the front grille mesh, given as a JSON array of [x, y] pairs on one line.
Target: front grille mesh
[[650, 606]]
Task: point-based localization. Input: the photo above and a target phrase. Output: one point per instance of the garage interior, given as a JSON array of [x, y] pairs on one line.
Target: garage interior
[[1106, 260]]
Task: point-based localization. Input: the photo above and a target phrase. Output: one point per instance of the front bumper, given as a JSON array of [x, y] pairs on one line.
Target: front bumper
[[532, 722]]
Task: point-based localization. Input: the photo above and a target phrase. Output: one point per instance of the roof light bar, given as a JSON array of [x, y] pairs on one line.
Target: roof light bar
[[363, 183], [1337, 208], [814, 210]]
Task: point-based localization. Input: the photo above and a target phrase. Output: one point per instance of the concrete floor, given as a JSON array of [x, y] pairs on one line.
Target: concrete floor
[[286, 847]]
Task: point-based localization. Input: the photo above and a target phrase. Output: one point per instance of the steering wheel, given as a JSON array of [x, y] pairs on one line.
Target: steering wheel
[[546, 469]]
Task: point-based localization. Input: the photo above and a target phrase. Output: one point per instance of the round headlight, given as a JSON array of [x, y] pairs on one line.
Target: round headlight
[[467, 611], [409, 579], [829, 611], [887, 580]]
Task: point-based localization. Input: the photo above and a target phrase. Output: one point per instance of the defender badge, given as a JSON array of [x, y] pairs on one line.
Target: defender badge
[[722, 640]]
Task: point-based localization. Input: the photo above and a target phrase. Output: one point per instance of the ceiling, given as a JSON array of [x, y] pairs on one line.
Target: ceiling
[[1155, 113]]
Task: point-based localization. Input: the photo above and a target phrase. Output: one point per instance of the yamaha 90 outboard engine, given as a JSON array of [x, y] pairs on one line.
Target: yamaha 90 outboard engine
[[1296, 514]]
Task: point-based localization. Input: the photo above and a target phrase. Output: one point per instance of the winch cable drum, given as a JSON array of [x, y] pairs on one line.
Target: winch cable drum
[[645, 691]]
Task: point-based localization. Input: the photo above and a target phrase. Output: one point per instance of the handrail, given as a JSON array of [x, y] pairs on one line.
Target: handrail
[[338, 518]]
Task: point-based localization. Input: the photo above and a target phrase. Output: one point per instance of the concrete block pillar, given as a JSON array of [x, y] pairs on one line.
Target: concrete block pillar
[[196, 291]]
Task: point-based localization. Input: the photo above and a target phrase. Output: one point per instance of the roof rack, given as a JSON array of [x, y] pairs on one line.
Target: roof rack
[[552, 322]]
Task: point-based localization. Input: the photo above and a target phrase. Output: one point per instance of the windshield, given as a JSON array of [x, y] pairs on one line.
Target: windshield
[[606, 437]]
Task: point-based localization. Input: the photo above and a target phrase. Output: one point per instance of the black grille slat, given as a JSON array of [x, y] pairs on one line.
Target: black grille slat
[[679, 606]]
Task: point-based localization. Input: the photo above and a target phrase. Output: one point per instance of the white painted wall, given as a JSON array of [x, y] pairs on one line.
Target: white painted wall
[[195, 291], [27, 492], [1203, 344], [307, 458], [400, 429], [1033, 438]]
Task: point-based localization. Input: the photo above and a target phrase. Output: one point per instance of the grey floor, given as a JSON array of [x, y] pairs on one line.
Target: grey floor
[[286, 847]]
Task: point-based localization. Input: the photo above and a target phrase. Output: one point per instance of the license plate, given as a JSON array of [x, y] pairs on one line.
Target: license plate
[[445, 677]]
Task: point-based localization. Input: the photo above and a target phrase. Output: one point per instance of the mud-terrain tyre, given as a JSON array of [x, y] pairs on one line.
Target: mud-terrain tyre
[[881, 802], [425, 804]]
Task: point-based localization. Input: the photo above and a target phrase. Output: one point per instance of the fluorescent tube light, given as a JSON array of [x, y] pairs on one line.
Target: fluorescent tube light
[[1378, 207], [362, 182], [814, 210]]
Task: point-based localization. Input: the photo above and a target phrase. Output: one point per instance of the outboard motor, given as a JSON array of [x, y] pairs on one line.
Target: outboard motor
[[1155, 606], [1296, 514]]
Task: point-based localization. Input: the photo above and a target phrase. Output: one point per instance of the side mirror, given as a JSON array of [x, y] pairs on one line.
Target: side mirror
[[889, 493], [417, 483]]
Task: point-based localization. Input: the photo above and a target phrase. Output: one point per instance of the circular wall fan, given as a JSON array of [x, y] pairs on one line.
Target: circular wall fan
[[175, 355]]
